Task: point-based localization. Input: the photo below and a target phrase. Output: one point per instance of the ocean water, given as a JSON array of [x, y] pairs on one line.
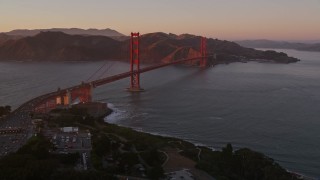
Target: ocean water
[[271, 108]]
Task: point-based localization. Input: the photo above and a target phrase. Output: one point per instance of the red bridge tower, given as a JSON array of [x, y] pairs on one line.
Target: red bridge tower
[[135, 63]]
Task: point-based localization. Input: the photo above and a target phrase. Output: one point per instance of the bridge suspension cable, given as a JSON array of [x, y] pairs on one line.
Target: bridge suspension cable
[[96, 72], [105, 71], [99, 70]]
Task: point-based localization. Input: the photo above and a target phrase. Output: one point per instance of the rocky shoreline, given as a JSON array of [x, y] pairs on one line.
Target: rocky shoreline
[[201, 155]]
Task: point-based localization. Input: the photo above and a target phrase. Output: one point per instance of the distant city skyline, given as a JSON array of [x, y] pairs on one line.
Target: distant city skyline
[[231, 20]]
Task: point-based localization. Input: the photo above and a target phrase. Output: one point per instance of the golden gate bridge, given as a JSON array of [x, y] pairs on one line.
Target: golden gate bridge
[[83, 91]]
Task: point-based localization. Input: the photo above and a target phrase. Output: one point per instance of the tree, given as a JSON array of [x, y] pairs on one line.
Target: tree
[[152, 157], [228, 150], [155, 172], [7, 109]]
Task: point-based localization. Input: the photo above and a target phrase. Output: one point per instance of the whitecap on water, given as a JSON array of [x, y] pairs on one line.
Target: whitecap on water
[[116, 114], [216, 118]]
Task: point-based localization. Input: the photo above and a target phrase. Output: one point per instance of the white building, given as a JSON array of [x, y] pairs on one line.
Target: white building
[[69, 129]]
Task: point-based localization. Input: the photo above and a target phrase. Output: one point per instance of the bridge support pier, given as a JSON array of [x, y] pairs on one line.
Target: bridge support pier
[[82, 94], [45, 106], [135, 64]]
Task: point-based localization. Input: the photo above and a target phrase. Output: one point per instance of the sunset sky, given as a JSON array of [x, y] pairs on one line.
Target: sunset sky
[[223, 19]]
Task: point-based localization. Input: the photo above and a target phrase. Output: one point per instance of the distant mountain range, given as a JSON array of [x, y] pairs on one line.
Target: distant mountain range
[[72, 31], [19, 33], [155, 47], [280, 45]]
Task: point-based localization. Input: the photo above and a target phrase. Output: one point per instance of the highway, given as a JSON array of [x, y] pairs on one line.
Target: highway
[[17, 127], [15, 131]]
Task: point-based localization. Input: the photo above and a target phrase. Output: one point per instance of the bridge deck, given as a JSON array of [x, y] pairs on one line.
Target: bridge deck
[[110, 79]]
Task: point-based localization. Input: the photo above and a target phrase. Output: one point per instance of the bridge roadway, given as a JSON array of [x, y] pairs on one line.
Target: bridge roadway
[[33, 102], [110, 79]]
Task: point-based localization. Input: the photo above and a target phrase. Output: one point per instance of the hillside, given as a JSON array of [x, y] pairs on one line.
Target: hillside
[[279, 45], [155, 47], [4, 37], [57, 46]]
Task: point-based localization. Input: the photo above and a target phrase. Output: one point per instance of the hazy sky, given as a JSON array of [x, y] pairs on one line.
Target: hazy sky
[[223, 19]]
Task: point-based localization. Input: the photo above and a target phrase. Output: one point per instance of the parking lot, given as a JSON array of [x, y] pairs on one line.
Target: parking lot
[[71, 142]]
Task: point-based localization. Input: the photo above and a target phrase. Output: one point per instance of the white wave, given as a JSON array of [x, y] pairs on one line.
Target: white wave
[[116, 115], [216, 118]]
